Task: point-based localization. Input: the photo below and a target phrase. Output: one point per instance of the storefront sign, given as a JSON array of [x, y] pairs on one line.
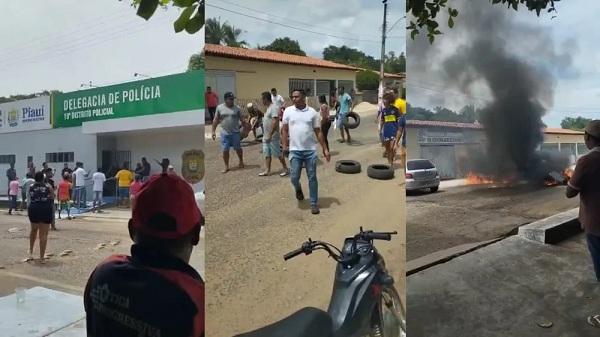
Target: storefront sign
[[174, 93], [25, 115]]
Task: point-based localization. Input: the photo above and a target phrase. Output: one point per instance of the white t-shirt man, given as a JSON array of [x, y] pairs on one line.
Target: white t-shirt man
[[278, 100], [98, 178], [79, 174], [301, 124]]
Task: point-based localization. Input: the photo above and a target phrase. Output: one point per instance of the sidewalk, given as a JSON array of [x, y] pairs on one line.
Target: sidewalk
[[452, 183]]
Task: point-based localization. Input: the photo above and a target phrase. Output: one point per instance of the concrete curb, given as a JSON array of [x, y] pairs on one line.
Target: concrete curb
[[553, 229]]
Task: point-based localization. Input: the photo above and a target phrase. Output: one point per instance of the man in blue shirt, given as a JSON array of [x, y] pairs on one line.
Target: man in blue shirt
[[345, 102]]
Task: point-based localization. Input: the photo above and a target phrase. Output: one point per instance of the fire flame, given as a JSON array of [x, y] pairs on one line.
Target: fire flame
[[477, 179]]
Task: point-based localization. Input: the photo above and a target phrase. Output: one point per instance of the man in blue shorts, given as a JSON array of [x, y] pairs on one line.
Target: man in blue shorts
[[271, 138], [345, 103], [229, 116]]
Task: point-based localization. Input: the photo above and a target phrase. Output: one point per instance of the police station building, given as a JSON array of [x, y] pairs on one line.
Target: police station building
[[104, 127]]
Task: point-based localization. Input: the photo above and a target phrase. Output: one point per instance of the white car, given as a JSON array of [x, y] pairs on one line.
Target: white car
[[421, 174]]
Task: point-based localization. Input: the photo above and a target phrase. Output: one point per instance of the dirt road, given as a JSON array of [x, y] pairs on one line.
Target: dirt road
[[69, 273], [252, 221], [468, 214]]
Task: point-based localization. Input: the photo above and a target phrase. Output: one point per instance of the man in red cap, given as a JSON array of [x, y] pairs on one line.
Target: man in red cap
[[153, 292]]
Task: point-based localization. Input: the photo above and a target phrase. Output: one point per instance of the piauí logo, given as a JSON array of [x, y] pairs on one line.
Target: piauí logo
[[13, 118]]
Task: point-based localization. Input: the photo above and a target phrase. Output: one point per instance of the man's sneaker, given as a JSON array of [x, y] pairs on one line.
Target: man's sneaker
[[315, 209], [299, 195]]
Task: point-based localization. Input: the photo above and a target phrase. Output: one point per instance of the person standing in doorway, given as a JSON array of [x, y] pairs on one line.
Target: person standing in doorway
[[147, 169], [40, 213], [585, 182], [229, 116], [345, 103], [64, 196], [11, 173], [302, 124], [139, 169], [325, 120], [277, 99], [124, 178], [13, 191], [79, 176], [134, 189], [49, 174], [271, 138], [99, 178], [31, 168], [212, 101]]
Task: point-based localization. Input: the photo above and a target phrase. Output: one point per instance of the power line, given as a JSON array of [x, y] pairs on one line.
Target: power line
[[395, 23], [293, 20], [292, 27]]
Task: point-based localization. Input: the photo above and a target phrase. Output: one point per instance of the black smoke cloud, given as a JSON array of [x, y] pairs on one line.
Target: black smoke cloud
[[514, 62]]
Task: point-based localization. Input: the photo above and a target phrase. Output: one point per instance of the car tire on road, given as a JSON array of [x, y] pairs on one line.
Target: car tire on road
[[434, 189], [356, 118], [347, 166], [380, 171]]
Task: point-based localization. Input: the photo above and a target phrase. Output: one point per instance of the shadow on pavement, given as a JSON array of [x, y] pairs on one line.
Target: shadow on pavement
[[323, 203]]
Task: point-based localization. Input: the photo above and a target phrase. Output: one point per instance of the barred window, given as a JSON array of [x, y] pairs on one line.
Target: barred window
[[307, 85], [7, 158], [60, 157]]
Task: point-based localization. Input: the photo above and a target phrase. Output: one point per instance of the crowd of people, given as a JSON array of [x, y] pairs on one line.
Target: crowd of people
[[295, 131]]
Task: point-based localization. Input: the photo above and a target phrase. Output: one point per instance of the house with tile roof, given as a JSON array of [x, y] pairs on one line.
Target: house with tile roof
[[249, 72]]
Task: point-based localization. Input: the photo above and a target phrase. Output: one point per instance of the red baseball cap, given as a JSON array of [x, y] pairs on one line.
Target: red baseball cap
[[170, 197]]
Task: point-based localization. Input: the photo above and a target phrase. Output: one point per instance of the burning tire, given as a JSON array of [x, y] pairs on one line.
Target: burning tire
[[380, 172], [356, 118], [347, 166]]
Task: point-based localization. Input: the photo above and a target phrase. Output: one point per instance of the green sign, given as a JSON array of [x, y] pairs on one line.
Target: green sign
[[173, 93]]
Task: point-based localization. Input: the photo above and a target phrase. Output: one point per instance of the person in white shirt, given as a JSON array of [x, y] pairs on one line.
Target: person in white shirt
[[79, 176], [98, 178], [277, 99], [302, 124]]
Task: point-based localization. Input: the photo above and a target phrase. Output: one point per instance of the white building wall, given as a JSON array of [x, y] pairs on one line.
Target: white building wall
[[38, 143], [157, 144]]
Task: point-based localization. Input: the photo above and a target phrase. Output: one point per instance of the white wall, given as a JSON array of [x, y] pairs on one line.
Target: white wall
[[162, 143], [38, 143]]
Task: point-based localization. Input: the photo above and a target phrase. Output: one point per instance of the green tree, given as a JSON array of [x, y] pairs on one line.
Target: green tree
[[577, 123], [191, 18], [424, 13], [223, 33], [395, 64], [196, 62], [12, 98], [367, 80], [350, 56], [284, 45]]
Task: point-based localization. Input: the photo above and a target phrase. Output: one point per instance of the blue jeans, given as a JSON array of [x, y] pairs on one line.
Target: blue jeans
[[593, 242], [309, 159], [79, 196]]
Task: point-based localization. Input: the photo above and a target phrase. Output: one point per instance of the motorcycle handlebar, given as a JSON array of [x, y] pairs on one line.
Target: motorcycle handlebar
[[293, 253], [379, 236]]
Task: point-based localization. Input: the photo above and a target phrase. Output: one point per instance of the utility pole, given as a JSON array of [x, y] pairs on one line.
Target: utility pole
[[382, 65]]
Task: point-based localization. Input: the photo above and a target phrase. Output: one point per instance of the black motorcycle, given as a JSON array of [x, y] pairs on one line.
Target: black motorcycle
[[364, 301]]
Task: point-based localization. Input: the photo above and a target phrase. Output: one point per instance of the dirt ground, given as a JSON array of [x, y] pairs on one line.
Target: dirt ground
[[69, 273], [253, 221], [468, 214]]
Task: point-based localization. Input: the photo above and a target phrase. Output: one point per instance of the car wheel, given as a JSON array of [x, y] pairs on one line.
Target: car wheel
[[380, 171], [356, 118], [434, 189], [347, 166]]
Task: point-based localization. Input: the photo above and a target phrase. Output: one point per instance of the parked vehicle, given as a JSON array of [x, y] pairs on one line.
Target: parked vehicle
[[364, 301], [421, 174]]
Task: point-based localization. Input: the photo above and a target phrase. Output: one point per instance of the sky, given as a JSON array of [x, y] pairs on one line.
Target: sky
[[573, 34], [354, 23], [62, 44]]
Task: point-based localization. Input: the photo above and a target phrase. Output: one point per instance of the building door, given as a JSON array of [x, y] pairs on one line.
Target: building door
[[323, 88], [221, 82], [123, 156], [443, 157], [5, 161]]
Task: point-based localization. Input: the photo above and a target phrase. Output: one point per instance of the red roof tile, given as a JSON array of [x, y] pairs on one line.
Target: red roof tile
[[270, 56], [563, 131]]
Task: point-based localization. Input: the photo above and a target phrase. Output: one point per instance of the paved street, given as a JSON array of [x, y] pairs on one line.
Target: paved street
[[253, 221], [68, 273], [469, 214]]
